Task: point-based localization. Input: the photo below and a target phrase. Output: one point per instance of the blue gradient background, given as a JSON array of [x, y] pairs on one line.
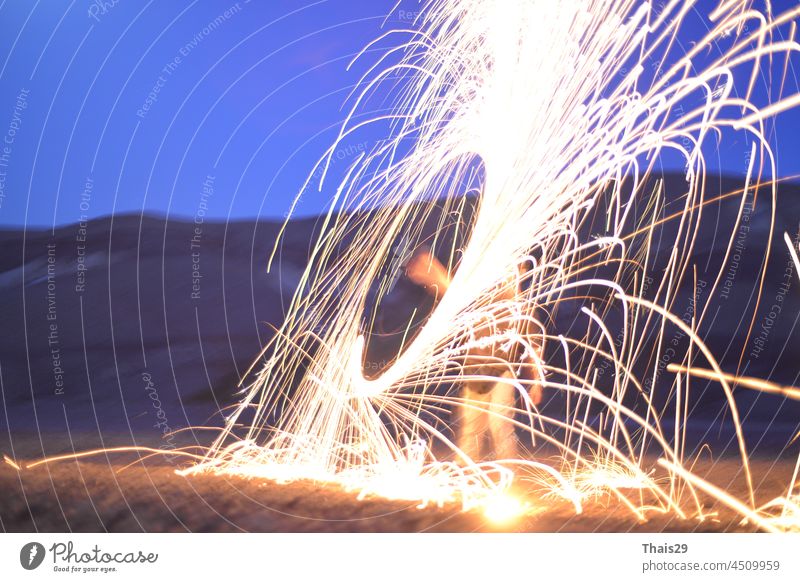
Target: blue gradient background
[[254, 103]]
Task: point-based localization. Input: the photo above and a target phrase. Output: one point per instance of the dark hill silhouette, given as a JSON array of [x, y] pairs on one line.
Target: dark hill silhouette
[[151, 310]]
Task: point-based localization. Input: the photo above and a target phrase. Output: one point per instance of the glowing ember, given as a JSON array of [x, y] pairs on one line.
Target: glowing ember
[[503, 508]]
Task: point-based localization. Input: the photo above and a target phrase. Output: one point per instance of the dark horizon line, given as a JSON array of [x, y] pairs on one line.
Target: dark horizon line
[[6, 228]]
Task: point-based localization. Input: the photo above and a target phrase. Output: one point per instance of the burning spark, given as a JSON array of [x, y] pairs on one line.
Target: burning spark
[[11, 462], [502, 509], [105, 451], [750, 515], [792, 251], [553, 114], [744, 381], [535, 127]]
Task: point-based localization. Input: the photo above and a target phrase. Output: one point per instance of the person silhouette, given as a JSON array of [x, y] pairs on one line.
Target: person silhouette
[[491, 370]]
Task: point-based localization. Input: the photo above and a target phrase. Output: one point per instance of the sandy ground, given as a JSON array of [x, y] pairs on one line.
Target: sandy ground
[[94, 496]]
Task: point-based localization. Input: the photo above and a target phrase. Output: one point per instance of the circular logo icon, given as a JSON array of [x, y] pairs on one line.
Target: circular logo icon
[[31, 555]]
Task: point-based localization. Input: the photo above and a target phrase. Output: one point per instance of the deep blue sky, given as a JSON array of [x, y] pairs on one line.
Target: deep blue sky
[[253, 103]]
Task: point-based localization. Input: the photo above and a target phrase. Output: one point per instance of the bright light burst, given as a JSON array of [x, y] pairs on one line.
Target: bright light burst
[[549, 118]]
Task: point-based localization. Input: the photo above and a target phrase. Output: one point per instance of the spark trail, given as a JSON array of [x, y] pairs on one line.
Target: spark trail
[[537, 128]]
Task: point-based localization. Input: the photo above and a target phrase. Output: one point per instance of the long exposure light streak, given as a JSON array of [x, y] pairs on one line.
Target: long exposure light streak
[[549, 119], [522, 141]]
